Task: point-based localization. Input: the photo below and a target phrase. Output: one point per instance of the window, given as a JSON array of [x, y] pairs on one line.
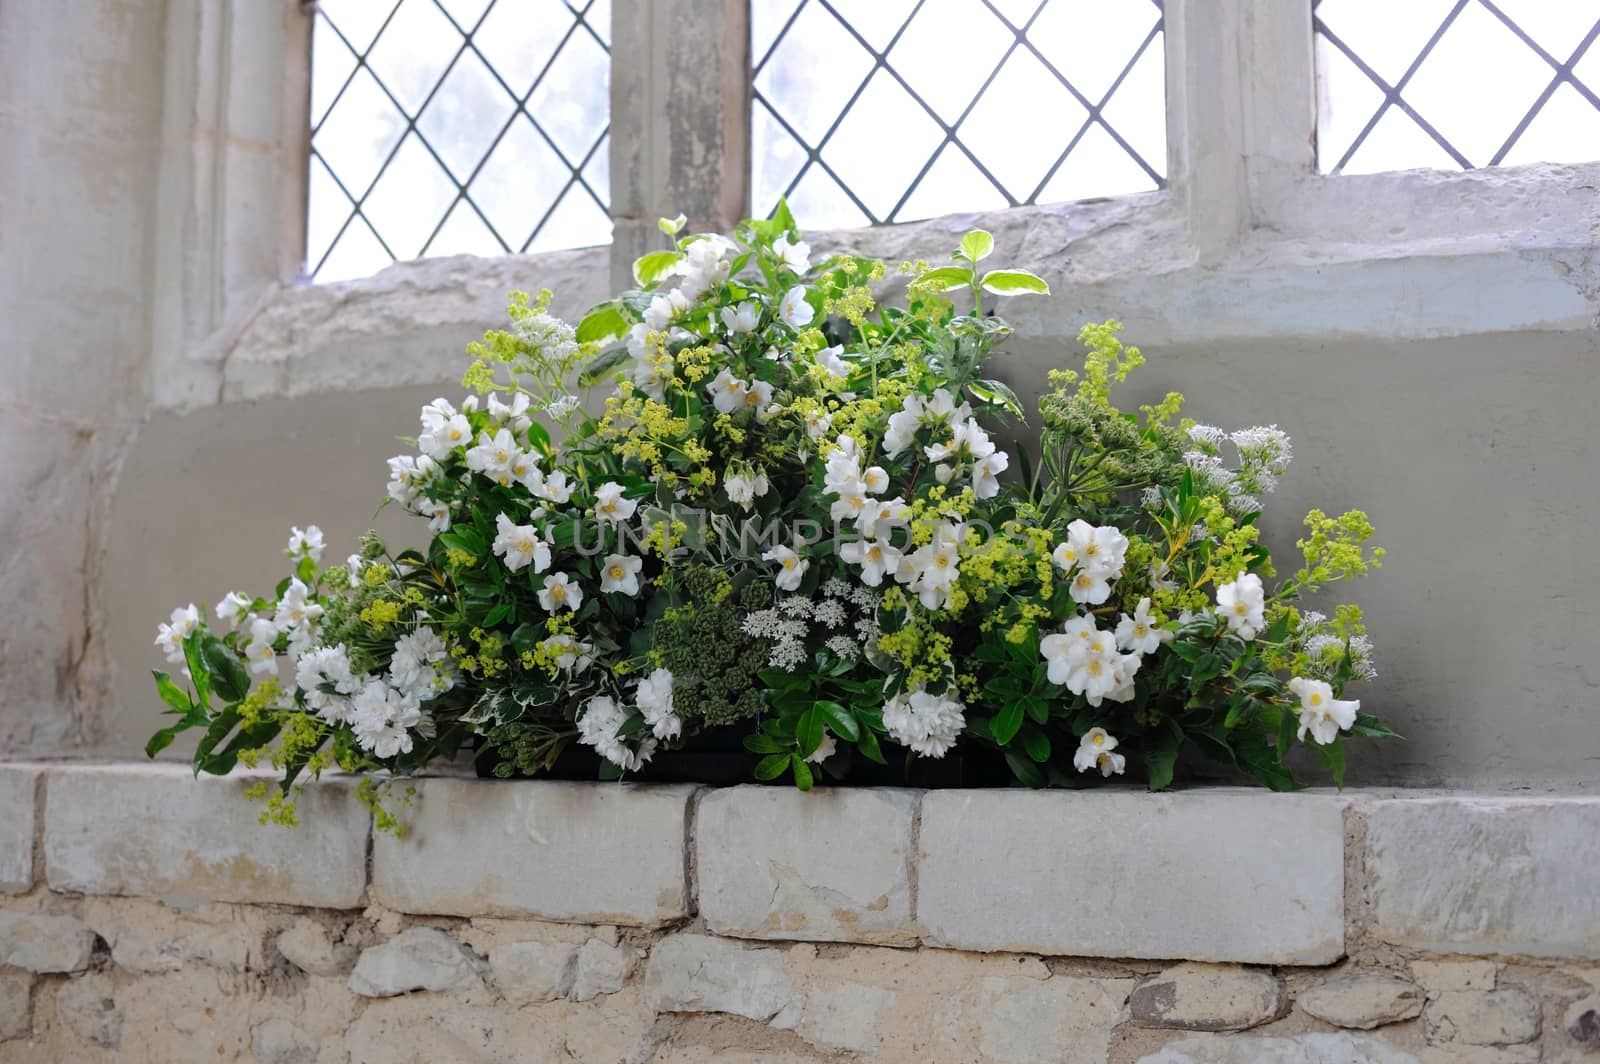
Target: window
[[448, 126], [1456, 84], [872, 111]]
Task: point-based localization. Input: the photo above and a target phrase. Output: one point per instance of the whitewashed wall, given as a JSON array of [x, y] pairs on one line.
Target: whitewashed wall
[[173, 402]]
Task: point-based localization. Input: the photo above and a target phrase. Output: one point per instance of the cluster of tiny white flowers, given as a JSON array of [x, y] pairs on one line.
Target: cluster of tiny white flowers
[[788, 623], [1264, 455], [1326, 650], [928, 724], [552, 338], [383, 712], [597, 728]]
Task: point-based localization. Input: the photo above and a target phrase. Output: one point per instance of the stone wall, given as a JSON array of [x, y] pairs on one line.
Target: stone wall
[[148, 917]]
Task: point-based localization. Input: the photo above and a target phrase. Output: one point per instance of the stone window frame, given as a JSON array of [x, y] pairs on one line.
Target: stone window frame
[[1245, 241]]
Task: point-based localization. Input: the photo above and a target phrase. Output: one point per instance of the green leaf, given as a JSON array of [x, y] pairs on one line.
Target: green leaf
[[1014, 283], [601, 322], [808, 732], [199, 675], [762, 744], [603, 363], [227, 671], [1026, 771], [772, 766], [868, 745], [1005, 723], [672, 226], [171, 694], [647, 268], [1036, 744], [839, 719], [221, 726], [163, 739], [1261, 761], [976, 245], [496, 615], [1332, 758], [610, 770], [1160, 755], [802, 772], [1369, 727], [997, 393], [944, 279]]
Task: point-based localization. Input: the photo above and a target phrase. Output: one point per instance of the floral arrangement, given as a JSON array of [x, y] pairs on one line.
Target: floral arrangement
[[789, 517]]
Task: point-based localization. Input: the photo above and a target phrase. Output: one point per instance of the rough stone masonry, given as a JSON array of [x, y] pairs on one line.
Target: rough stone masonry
[[620, 923]]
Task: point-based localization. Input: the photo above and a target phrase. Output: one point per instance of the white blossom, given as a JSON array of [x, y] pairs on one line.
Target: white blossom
[[382, 718], [258, 652], [421, 665], [305, 543], [742, 318], [620, 573], [795, 256], [794, 310], [1084, 659], [928, 724], [1138, 633], [514, 415], [170, 636], [494, 456], [322, 668], [1322, 715], [610, 505], [791, 567], [520, 545], [654, 699], [295, 607], [560, 592], [1095, 752], [597, 728], [1242, 603], [233, 608], [877, 558]]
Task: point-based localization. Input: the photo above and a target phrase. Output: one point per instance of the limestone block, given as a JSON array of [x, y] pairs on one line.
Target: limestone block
[[15, 1015], [308, 946], [17, 788], [698, 973], [89, 1008], [1219, 875], [1363, 1001], [525, 972], [1320, 1048], [1062, 1019], [278, 1041], [421, 958], [146, 936], [1487, 876], [832, 865], [1508, 1016], [36, 942], [581, 852], [1454, 975], [157, 832], [600, 968], [844, 1017], [1208, 997]]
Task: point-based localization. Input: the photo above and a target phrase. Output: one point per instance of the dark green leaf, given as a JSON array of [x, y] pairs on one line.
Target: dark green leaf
[[228, 673], [1260, 759], [1026, 771], [839, 719], [171, 694], [1003, 727], [802, 772], [868, 745], [1160, 755], [808, 732], [772, 766], [603, 363], [762, 744]]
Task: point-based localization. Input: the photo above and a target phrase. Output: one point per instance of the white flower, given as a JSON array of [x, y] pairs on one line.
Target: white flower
[[1242, 603], [727, 392], [654, 698], [513, 414], [1084, 660], [1089, 586], [877, 557], [494, 456], [931, 570], [258, 652], [825, 749], [437, 513], [663, 309], [437, 414], [985, 474], [520, 545], [1138, 633], [170, 636], [828, 358], [796, 256], [1095, 751], [559, 408], [903, 425], [818, 421], [794, 310], [598, 728], [928, 724], [745, 487], [382, 717], [704, 265], [555, 488], [567, 652], [881, 515], [323, 668], [758, 398], [1321, 714], [305, 543], [560, 593], [743, 318], [420, 664], [1102, 550], [233, 608], [874, 479], [525, 471], [442, 437], [620, 573], [294, 609], [609, 504], [408, 476], [791, 567]]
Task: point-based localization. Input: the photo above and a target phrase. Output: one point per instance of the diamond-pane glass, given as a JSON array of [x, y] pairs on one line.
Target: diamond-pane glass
[[441, 127], [1455, 84], [870, 111]]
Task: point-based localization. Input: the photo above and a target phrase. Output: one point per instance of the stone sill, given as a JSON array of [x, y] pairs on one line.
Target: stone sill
[[1209, 875]]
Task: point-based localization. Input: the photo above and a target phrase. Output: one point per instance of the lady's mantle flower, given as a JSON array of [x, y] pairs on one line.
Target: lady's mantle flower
[[1320, 713], [610, 505], [170, 636], [791, 567], [307, 543], [1242, 603], [1095, 751], [794, 310], [560, 593], [1138, 633], [598, 726], [620, 573], [520, 545], [929, 724], [654, 698]]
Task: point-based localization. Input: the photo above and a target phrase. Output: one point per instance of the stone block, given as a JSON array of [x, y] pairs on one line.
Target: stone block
[[1320, 1048], [831, 865], [1454, 975], [308, 946], [698, 973], [277, 1041], [525, 972], [1363, 1001], [421, 958], [1505, 876], [37, 942], [601, 968], [1219, 875], [577, 852], [16, 1020], [88, 1006], [157, 832], [17, 790], [1482, 1018], [1208, 997]]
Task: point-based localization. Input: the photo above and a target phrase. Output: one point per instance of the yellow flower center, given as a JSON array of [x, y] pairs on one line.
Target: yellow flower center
[[558, 593], [616, 572], [788, 563], [1316, 698], [1099, 740]]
